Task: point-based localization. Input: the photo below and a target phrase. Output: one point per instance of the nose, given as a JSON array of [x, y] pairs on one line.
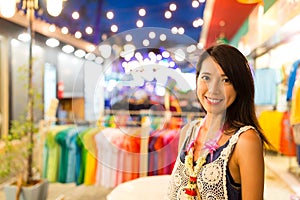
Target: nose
[[215, 86]]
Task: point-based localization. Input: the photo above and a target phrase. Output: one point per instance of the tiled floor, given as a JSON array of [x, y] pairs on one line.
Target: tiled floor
[[58, 191], [280, 184]]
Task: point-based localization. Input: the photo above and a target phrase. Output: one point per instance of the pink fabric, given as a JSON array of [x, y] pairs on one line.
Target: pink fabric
[[171, 141]]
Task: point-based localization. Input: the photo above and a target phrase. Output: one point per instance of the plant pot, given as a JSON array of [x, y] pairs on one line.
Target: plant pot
[[39, 191]]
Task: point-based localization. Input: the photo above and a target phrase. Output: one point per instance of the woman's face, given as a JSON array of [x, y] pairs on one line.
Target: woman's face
[[214, 89]]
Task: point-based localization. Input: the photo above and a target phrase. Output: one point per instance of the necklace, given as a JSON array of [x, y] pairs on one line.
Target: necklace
[[191, 188], [210, 146]]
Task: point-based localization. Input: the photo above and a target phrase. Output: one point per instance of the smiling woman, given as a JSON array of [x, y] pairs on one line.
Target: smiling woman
[[212, 161]]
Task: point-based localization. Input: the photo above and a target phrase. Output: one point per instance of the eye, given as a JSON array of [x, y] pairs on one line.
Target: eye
[[205, 78], [226, 80]]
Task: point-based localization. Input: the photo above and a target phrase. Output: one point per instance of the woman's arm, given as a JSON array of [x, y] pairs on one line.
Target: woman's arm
[[250, 160]]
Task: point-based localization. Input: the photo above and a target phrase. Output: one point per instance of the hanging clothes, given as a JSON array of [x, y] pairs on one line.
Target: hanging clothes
[[295, 104], [74, 157], [83, 153], [91, 159], [107, 156], [152, 153], [171, 142], [271, 123], [265, 82], [131, 148], [292, 79], [60, 138], [51, 152], [287, 143], [163, 148]]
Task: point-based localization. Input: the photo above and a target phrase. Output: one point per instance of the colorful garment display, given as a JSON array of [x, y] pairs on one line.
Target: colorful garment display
[[105, 156]]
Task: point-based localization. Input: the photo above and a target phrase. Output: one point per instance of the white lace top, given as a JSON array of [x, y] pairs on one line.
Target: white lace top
[[211, 180]]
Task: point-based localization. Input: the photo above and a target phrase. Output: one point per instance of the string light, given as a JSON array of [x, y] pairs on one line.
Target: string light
[[146, 42], [172, 7], [139, 23], [89, 30], [168, 14], [152, 35], [142, 12], [114, 28], [181, 30], [52, 28], [54, 7], [110, 15], [163, 37], [195, 4], [174, 30], [64, 30], [75, 15], [78, 34], [128, 38]]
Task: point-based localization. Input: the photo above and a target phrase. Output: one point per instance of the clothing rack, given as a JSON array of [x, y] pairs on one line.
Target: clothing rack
[[145, 123], [155, 113], [143, 160]]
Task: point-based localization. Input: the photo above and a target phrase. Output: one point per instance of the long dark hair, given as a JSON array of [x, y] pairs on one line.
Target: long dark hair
[[235, 65]]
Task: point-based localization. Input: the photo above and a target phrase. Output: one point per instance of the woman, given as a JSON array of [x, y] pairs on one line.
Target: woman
[[222, 156]]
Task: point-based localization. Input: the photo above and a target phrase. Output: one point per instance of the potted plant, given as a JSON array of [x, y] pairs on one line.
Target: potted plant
[[19, 153], [20, 145]]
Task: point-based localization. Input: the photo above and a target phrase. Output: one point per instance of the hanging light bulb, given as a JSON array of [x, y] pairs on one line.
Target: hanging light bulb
[[8, 8], [54, 7]]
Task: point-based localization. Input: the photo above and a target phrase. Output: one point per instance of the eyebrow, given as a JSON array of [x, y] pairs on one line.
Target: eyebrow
[[208, 73], [205, 73]]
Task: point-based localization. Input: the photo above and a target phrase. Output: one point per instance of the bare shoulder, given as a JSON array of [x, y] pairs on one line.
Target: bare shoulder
[[249, 141]]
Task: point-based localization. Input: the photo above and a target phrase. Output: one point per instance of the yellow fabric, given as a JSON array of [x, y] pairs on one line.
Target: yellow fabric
[[91, 159], [295, 105], [271, 123]]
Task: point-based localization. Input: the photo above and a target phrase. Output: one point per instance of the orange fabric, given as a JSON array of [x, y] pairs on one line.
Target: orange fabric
[[131, 147], [287, 143]]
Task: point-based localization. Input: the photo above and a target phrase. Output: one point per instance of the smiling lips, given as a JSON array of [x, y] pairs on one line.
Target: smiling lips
[[213, 100]]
